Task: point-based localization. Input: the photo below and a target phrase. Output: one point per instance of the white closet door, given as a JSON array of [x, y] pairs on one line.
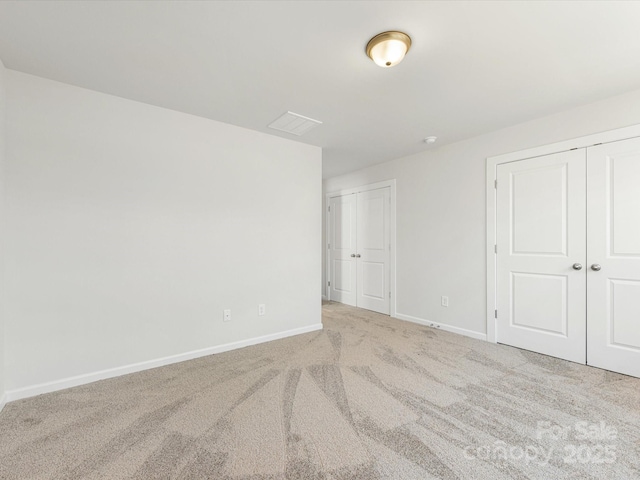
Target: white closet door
[[342, 249], [613, 306], [373, 250], [541, 255]]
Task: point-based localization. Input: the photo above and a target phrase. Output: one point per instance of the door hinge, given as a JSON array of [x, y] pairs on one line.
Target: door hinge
[[495, 248], [389, 294], [495, 184], [328, 246], [329, 284], [495, 315], [329, 208]]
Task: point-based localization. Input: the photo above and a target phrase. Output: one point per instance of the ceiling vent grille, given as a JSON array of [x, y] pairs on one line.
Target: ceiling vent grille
[[295, 124]]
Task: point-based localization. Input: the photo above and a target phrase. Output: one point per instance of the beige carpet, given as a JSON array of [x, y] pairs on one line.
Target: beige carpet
[[369, 397]]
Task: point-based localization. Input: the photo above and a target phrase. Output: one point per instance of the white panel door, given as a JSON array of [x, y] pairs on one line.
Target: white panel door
[[613, 291], [342, 249], [373, 250], [541, 254]]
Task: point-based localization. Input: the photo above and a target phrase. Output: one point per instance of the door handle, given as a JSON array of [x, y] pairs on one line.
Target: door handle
[[358, 255], [577, 266], [595, 267], [353, 255]]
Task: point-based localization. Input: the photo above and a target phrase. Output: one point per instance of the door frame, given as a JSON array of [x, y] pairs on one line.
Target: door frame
[[392, 234], [491, 207]]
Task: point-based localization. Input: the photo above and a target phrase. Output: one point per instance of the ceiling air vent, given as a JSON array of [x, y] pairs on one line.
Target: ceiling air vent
[[295, 124]]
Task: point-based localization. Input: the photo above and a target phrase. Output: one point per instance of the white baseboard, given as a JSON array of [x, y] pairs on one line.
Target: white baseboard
[[3, 401], [324, 297], [69, 382], [440, 326]]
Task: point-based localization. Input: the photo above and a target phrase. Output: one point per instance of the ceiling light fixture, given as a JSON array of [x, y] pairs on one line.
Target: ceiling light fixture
[[388, 48], [430, 140]]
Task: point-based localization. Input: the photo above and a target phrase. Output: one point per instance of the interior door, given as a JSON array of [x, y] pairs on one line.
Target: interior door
[[541, 255], [613, 291], [373, 253], [342, 249]]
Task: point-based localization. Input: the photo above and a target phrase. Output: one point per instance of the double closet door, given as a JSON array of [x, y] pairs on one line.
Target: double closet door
[[568, 255], [359, 249]]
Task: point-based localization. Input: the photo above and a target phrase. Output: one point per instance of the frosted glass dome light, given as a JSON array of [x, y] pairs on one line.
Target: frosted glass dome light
[[388, 48]]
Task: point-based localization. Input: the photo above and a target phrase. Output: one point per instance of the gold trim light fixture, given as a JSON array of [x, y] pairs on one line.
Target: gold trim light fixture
[[388, 48]]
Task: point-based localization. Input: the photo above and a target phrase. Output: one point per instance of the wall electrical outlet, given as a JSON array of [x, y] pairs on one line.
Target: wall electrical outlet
[[444, 301], [262, 309], [226, 315]]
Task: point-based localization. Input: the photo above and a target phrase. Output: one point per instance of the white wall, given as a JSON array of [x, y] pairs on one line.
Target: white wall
[[131, 227], [441, 210], [2, 162]]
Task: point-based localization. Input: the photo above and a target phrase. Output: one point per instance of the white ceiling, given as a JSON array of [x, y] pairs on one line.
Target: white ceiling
[[473, 66]]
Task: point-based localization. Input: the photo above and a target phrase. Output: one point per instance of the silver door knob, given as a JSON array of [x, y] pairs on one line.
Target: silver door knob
[[577, 266], [595, 267], [358, 255], [353, 254]]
